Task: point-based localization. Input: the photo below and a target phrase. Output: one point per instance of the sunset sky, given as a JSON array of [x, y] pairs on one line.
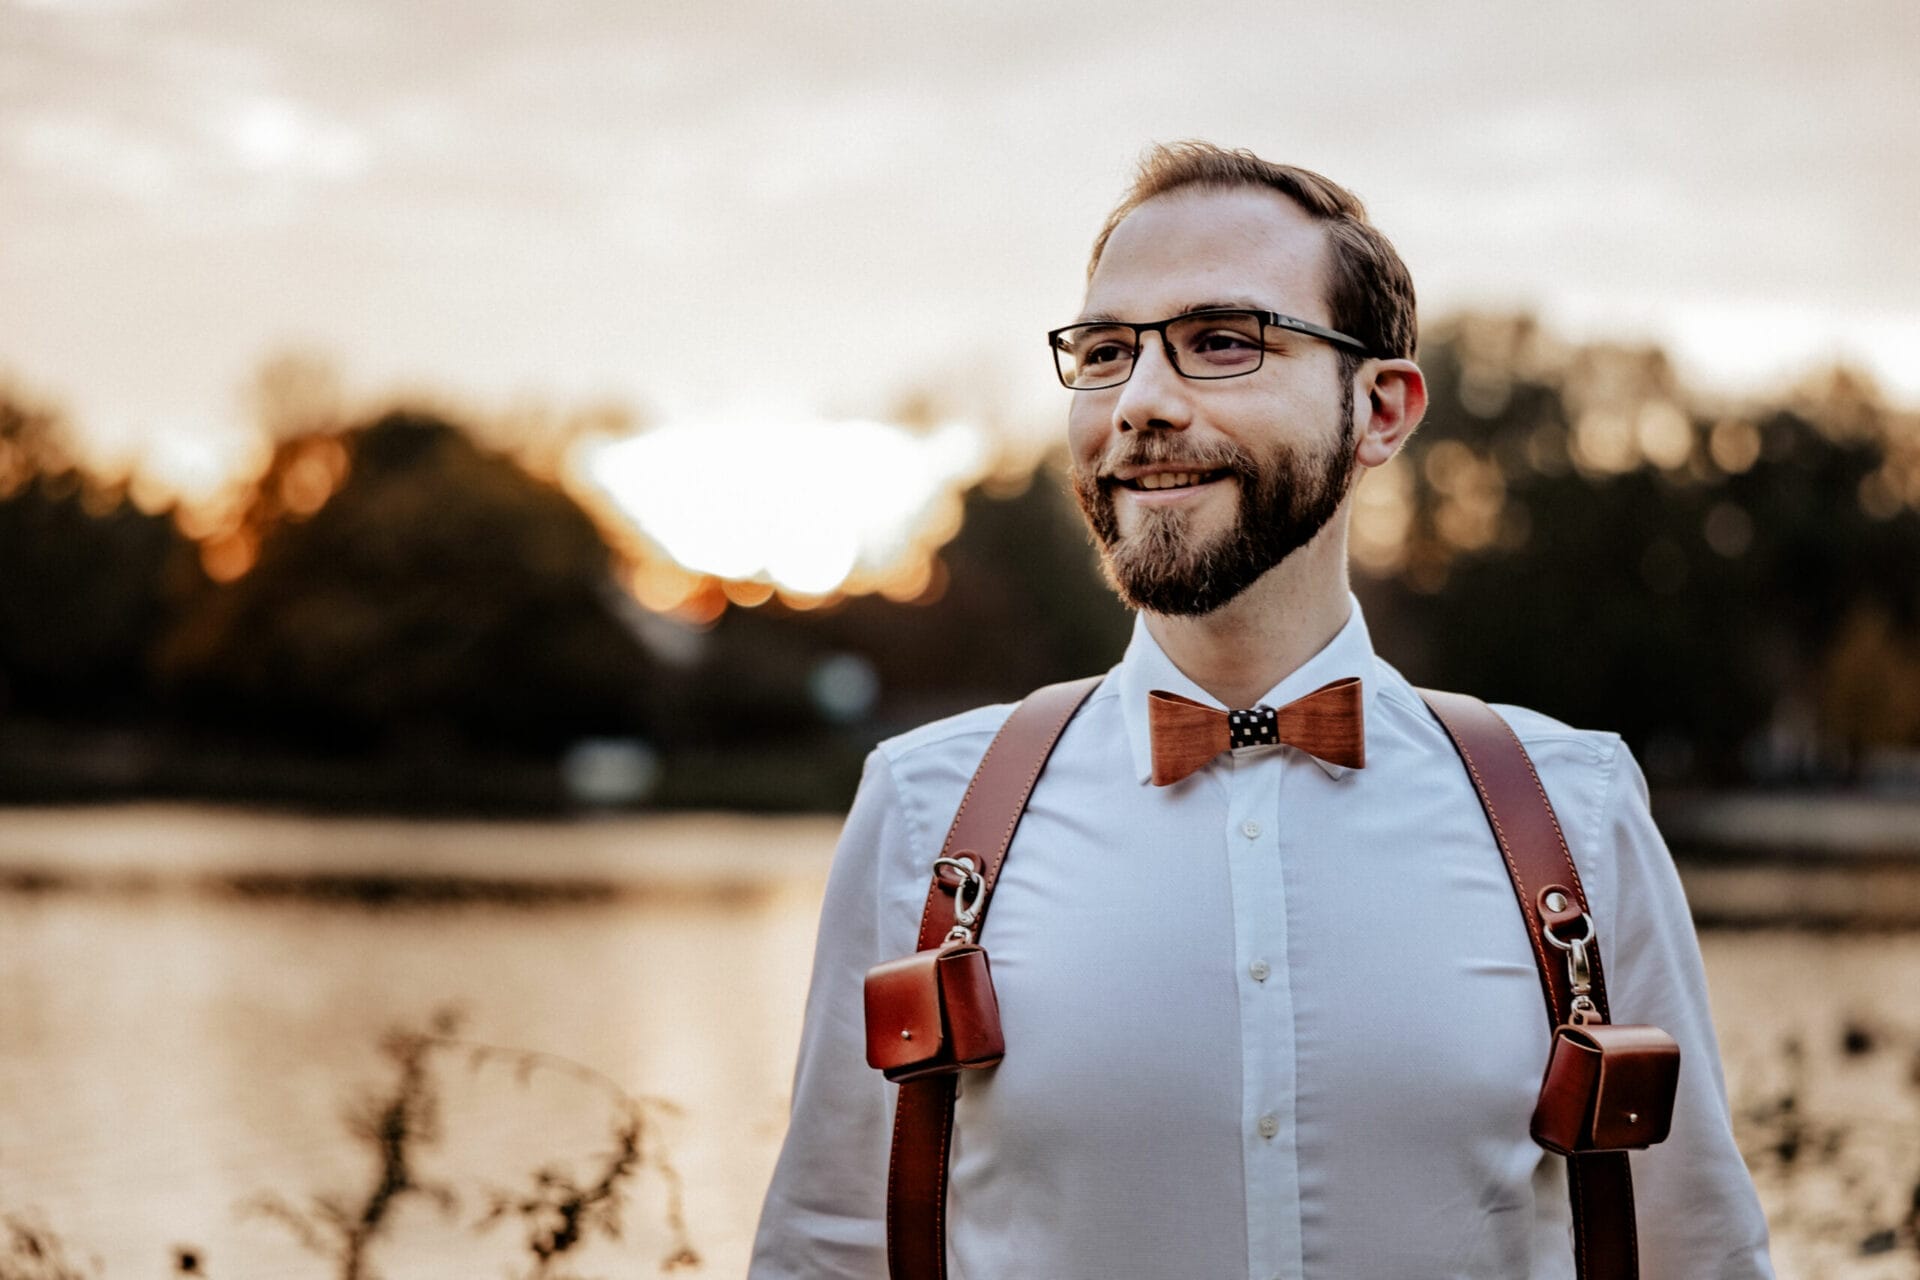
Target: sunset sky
[[806, 211]]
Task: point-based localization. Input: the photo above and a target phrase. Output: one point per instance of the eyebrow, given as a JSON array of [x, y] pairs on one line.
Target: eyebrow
[[1218, 304]]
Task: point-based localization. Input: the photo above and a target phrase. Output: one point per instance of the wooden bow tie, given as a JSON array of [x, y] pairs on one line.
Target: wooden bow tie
[[1186, 734]]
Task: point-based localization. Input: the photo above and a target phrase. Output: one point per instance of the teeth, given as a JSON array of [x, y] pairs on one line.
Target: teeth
[[1169, 480]]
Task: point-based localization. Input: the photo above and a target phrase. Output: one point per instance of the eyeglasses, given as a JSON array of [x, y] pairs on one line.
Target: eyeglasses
[[1217, 343]]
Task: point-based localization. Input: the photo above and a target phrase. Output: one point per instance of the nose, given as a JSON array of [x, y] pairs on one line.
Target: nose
[[1155, 396]]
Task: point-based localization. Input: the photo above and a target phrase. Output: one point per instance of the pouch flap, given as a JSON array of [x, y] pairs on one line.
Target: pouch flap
[[1566, 1095], [1633, 1099], [972, 1011], [903, 1011]]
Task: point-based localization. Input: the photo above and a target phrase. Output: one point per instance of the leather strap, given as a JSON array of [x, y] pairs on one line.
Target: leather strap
[[989, 814], [1599, 1184]]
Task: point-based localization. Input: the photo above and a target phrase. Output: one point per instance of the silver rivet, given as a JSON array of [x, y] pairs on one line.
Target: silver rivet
[[906, 1035], [1633, 1117], [1556, 901]]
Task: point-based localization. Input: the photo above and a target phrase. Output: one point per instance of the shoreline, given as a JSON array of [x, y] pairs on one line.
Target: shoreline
[[1745, 862], [150, 848]]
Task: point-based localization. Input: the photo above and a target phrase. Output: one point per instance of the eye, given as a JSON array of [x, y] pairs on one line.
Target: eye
[[1102, 348], [1223, 346], [1225, 341]]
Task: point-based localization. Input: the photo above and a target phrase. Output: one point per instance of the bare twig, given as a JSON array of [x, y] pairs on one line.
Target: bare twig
[[33, 1252], [396, 1125], [559, 1213]]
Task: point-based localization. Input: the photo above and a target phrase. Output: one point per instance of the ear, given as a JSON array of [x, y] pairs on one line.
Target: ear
[[1390, 398]]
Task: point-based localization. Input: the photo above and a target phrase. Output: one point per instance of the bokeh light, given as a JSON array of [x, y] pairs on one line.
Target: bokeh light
[[805, 506]]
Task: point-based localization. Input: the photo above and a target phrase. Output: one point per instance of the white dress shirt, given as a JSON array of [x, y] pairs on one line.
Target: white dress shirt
[[1280, 1019]]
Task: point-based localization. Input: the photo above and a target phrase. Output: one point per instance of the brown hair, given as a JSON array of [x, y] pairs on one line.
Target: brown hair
[[1370, 293]]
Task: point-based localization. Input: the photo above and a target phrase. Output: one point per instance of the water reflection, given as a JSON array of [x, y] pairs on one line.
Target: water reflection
[[174, 1050], [168, 1056]]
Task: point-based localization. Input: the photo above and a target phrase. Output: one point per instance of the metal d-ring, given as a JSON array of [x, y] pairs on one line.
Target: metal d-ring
[[1568, 945]]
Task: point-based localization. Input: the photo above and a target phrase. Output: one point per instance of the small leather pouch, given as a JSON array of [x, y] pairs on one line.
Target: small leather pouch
[[933, 1012], [1607, 1088]]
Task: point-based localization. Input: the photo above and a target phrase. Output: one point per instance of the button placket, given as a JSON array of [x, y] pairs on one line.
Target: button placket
[[1259, 884]]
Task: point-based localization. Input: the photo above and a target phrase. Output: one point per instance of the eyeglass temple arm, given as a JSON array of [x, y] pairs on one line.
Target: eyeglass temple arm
[[1318, 331]]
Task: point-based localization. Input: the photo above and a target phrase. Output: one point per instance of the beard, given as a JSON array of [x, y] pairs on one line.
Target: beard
[[1287, 497]]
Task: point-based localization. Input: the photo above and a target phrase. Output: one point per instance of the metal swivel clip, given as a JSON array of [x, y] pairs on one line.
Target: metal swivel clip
[[968, 894], [1579, 972]]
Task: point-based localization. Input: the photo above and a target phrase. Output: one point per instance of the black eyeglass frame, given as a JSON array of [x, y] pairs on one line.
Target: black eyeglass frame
[[1272, 319]]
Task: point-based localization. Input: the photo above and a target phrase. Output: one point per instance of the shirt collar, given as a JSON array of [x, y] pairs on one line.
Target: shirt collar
[[1146, 667]]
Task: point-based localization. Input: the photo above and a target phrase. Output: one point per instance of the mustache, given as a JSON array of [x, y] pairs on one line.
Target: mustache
[[1157, 449]]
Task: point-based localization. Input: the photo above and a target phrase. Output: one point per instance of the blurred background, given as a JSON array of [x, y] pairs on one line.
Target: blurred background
[[476, 480]]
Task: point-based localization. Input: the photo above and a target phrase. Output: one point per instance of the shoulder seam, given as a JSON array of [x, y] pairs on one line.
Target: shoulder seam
[[1602, 853], [1407, 697], [916, 828], [963, 724], [1583, 737], [896, 747]]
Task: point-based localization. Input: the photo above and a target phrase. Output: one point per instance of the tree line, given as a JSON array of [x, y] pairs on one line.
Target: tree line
[[404, 614]]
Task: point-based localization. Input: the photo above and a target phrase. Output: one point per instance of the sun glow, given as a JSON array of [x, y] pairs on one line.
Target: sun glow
[[810, 509]]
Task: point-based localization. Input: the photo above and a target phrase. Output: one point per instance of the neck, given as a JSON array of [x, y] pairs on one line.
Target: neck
[[1259, 638]]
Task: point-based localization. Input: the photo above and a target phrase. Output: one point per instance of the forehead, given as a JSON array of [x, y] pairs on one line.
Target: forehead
[[1198, 246]]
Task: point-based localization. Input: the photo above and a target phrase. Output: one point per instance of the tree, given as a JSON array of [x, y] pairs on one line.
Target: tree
[[439, 592], [87, 580]]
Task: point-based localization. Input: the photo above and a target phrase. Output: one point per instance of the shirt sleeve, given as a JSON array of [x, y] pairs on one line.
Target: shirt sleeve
[[1698, 1215], [824, 1217]]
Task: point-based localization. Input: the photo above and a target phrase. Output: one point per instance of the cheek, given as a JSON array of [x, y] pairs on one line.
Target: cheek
[[1089, 428]]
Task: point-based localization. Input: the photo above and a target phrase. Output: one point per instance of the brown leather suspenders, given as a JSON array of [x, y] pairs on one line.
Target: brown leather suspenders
[[983, 827], [1545, 882]]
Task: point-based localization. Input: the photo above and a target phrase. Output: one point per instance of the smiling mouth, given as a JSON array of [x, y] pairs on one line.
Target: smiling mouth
[[1170, 480]]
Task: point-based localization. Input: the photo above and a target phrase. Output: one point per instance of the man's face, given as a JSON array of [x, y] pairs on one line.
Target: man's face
[[1260, 463]]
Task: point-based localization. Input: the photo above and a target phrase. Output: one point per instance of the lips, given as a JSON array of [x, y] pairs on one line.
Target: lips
[[1158, 480]]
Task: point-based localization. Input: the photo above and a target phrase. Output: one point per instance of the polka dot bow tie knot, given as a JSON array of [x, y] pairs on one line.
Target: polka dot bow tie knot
[[1187, 734]]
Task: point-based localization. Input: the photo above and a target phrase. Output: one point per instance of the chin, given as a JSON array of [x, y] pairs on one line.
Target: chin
[[1183, 581], [1191, 527]]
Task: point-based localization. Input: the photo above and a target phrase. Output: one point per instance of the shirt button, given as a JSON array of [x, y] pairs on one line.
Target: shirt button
[[1269, 1125], [1250, 829], [1259, 970]]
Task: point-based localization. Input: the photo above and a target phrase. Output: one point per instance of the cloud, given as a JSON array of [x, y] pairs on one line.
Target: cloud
[[274, 135], [88, 151], [572, 195]]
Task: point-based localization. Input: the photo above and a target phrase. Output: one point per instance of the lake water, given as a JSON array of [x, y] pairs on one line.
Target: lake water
[[172, 1049]]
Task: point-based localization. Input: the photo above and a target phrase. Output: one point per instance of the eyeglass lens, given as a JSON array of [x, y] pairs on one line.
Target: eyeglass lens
[[1210, 344]]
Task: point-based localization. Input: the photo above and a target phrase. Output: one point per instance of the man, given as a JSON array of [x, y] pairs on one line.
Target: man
[[1280, 1017]]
